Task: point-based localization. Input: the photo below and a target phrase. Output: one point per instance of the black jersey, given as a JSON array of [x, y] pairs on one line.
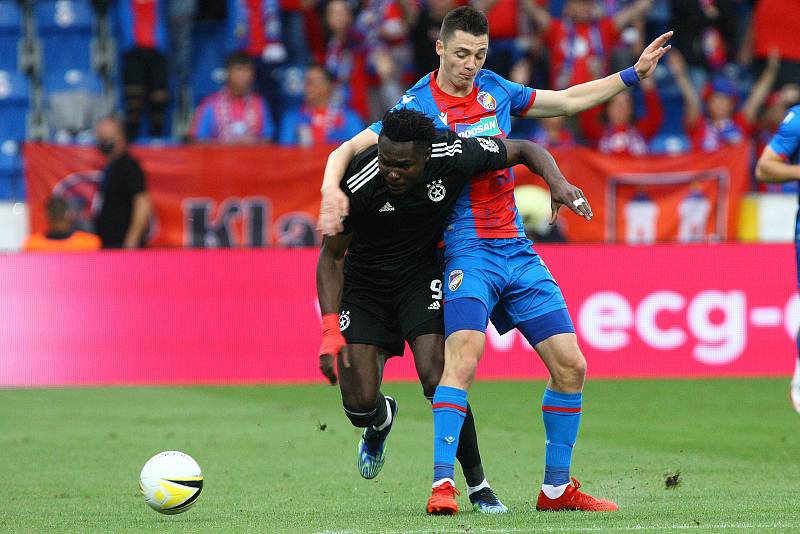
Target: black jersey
[[394, 236]]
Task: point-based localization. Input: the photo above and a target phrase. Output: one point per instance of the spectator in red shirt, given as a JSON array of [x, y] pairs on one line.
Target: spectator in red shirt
[[319, 121], [721, 124], [235, 114], [614, 129], [580, 43]]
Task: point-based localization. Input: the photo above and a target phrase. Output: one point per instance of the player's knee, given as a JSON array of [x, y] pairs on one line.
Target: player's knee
[[570, 373]]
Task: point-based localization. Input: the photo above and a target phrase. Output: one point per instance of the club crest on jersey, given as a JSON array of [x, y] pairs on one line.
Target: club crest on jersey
[[487, 126], [344, 320], [436, 191], [489, 145], [487, 101], [455, 279]]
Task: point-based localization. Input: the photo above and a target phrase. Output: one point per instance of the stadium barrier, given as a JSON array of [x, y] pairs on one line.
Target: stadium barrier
[[214, 196], [251, 316]]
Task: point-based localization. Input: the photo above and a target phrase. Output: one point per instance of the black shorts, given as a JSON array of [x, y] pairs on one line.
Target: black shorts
[[145, 67], [387, 317]]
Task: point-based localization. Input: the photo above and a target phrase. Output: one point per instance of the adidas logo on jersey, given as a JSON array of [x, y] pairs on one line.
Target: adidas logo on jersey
[[435, 305], [386, 207]]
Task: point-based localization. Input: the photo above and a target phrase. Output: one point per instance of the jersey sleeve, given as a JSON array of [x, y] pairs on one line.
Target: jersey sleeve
[[406, 101], [474, 155], [356, 206], [521, 96], [786, 140]]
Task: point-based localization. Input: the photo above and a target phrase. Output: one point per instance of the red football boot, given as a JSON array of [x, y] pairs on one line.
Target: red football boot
[[443, 500], [573, 499]]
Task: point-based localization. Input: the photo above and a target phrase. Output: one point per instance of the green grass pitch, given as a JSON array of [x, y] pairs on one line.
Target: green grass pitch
[[282, 459]]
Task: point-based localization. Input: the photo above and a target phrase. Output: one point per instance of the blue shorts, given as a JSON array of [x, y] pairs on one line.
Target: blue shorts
[[507, 276]]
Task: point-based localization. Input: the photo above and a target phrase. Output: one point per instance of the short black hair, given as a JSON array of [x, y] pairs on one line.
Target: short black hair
[[464, 18], [237, 59], [402, 125]]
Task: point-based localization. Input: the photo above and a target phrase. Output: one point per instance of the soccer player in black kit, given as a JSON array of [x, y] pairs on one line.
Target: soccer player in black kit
[[379, 282]]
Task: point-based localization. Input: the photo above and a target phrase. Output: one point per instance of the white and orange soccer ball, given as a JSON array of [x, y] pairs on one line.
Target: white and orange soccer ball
[[171, 482]]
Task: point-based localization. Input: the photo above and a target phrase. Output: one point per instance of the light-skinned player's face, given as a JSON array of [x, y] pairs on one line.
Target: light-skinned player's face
[[401, 164], [461, 56]]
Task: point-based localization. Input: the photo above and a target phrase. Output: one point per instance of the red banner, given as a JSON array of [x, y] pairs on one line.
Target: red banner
[[207, 196], [691, 197], [204, 196], [165, 316]]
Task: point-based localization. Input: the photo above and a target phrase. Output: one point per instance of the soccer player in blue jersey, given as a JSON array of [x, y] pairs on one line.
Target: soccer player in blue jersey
[[491, 269], [780, 162]]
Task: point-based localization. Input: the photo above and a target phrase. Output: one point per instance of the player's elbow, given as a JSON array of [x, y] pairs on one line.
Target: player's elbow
[[760, 174], [762, 171]]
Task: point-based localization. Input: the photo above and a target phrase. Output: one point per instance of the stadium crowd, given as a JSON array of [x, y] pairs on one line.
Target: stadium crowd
[[311, 72]]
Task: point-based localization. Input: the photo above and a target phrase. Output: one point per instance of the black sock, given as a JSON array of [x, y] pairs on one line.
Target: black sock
[[381, 412], [468, 455]]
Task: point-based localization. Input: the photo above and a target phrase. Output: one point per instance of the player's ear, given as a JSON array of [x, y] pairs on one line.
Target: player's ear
[[439, 47]]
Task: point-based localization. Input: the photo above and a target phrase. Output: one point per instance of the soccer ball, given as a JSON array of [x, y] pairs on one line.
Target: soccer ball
[[171, 482]]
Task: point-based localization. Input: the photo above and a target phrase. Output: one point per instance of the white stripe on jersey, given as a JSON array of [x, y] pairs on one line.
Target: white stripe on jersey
[[355, 186], [364, 170], [441, 150]]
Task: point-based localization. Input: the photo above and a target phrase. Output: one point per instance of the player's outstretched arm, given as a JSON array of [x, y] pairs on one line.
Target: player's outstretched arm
[[587, 95], [771, 167], [330, 281], [335, 205], [541, 162]]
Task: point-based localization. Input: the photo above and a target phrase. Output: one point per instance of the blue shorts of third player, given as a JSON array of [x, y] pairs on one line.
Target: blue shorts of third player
[[511, 281]]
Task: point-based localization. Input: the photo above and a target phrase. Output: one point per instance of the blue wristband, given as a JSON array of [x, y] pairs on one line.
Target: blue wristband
[[629, 77]]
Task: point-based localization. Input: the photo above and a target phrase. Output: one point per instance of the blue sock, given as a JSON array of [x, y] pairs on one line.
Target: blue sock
[[562, 416], [449, 411]]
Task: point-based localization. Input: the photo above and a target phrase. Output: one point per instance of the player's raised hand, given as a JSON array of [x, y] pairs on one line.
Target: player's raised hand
[[654, 52], [333, 208], [566, 194]]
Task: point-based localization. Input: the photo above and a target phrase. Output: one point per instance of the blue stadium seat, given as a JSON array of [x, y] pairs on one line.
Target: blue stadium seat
[[208, 60], [670, 144], [65, 30], [14, 101], [11, 181], [72, 80], [10, 34]]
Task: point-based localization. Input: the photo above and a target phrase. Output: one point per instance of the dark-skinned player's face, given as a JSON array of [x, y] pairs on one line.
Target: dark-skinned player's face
[[401, 164]]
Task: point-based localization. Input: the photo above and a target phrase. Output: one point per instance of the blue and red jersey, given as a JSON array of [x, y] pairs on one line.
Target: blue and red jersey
[[486, 208], [786, 143], [141, 24]]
